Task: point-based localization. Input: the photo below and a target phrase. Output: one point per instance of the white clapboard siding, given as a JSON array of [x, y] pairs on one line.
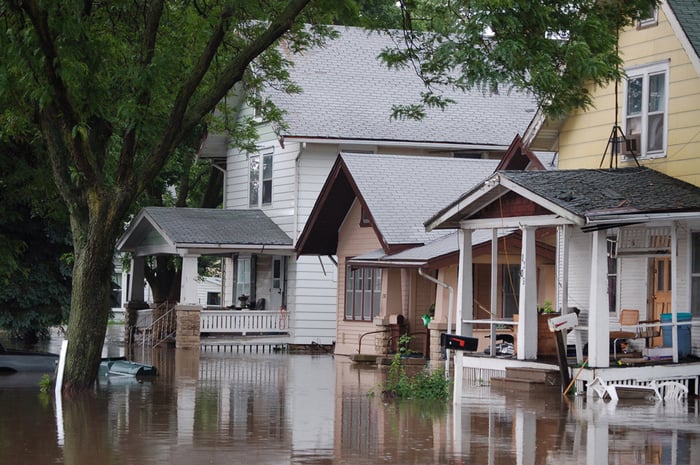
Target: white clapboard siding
[[579, 269]]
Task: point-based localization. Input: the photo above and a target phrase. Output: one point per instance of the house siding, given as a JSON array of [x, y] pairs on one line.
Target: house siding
[[353, 240], [584, 135]]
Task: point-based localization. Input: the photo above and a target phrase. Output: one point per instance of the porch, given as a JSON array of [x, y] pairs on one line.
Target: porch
[[211, 329], [634, 368]]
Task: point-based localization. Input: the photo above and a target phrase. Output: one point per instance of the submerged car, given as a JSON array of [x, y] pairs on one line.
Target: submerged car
[[20, 361]]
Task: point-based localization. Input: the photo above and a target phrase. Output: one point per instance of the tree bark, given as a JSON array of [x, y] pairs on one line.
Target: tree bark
[[92, 276]]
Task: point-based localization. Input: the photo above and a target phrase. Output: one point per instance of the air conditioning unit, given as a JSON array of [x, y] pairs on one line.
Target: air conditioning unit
[[631, 145]]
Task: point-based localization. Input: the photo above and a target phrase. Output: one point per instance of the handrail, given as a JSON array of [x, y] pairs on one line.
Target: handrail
[[359, 345], [163, 327]]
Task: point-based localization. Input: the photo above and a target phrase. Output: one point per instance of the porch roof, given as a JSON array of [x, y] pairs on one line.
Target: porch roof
[[160, 230], [591, 198], [429, 255]]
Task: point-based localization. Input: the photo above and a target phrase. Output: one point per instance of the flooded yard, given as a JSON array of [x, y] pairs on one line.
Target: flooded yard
[[278, 408]]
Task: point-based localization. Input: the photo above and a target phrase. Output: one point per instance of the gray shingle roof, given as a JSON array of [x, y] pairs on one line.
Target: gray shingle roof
[[348, 93], [448, 244], [418, 186], [688, 14], [206, 226], [629, 190]]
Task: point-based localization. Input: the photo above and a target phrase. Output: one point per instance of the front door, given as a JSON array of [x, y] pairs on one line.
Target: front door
[[661, 297], [277, 287]]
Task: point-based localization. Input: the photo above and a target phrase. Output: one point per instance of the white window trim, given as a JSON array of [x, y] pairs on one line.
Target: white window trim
[[260, 154], [645, 71], [651, 21]]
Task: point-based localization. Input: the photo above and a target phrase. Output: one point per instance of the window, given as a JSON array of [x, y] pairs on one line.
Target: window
[[364, 218], [214, 299], [695, 275], [243, 276], [260, 190], [651, 18], [363, 289], [646, 98]]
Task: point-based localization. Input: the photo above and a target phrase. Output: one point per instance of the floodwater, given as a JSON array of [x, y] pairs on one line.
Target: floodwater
[[277, 408]]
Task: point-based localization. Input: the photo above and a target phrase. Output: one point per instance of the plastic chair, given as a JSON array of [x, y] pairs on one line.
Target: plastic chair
[[672, 390]]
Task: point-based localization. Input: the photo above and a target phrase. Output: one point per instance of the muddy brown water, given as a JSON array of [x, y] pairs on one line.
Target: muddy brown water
[[277, 408]]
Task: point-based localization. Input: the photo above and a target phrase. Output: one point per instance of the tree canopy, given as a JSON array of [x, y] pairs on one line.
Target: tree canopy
[[552, 48], [109, 90]]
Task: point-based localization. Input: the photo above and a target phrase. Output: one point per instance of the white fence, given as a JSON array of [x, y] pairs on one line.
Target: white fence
[[243, 322]]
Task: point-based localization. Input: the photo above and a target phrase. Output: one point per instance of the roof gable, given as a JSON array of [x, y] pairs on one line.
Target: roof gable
[[399, 192], [583, 196]]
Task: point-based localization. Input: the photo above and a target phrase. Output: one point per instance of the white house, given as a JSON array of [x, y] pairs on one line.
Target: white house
[[345, 105]]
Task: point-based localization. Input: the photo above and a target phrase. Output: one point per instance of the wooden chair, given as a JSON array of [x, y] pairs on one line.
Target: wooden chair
[[629, 318]]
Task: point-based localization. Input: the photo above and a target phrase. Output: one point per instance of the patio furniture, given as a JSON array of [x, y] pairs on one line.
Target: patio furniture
[[671, 390], [629, 318]]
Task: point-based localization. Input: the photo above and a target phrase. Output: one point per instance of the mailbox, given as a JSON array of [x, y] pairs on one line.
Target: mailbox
[[454, 342], [563, 323]]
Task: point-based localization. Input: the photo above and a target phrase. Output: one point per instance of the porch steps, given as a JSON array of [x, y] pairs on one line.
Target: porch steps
[[528, 380]]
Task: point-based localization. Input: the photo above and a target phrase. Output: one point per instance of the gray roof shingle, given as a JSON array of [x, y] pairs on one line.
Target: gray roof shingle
[[688, 14], [348, 93], [207, 226], [419, 186], [628, 190]]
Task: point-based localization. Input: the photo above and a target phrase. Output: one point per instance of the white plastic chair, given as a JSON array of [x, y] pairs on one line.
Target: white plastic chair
[[672, 390]]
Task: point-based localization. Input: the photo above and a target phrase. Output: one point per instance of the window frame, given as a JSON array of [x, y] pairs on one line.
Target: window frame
[[651, 20], [358, 296], [645, 72], [260, 177], [694, 274]]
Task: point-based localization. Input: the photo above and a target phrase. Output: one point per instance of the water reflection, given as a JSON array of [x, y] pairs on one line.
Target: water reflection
[[223, 408]]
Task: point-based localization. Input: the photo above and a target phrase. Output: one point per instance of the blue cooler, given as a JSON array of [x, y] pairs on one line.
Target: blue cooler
[[683, 333]]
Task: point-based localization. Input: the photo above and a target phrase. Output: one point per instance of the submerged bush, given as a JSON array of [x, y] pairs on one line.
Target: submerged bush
[[422, 385]]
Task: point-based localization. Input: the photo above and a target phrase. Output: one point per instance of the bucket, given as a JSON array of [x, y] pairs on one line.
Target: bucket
[[683, 332]]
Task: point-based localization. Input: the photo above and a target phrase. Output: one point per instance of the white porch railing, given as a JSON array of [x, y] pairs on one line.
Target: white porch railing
[[243, 322]]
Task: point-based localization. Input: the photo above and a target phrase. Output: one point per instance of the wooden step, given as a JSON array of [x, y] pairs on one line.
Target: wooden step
[[522, 385], [536, 375]]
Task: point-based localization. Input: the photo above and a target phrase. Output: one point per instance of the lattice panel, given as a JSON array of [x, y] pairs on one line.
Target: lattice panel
[[644, 240]]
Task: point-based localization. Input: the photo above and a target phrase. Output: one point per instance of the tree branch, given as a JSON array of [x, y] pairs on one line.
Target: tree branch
[[77, 145], [148, 46]]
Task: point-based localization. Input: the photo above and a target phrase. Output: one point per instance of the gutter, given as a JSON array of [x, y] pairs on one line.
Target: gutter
[[449, 313]]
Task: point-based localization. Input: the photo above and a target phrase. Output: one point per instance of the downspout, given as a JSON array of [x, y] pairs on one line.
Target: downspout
[[301, 148], [449, 312]]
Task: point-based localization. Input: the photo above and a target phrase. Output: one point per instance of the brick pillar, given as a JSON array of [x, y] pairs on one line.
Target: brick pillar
[[437, 329], [188, 324], [381, 340]]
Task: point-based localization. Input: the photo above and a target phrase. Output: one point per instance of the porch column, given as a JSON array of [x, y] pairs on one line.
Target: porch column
[[227, 298], [137, 279], [527, 306], [465, 306], [188, 281], [674, 289], [598, 312], [465, 284]]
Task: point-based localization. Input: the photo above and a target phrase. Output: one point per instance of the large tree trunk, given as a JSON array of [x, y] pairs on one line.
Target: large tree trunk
[[92, 277]]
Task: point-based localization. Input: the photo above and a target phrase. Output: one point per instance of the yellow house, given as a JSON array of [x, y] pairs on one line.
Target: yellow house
[[657, 105]]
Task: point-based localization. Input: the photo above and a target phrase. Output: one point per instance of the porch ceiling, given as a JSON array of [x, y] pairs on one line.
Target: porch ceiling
[[159, 231]]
